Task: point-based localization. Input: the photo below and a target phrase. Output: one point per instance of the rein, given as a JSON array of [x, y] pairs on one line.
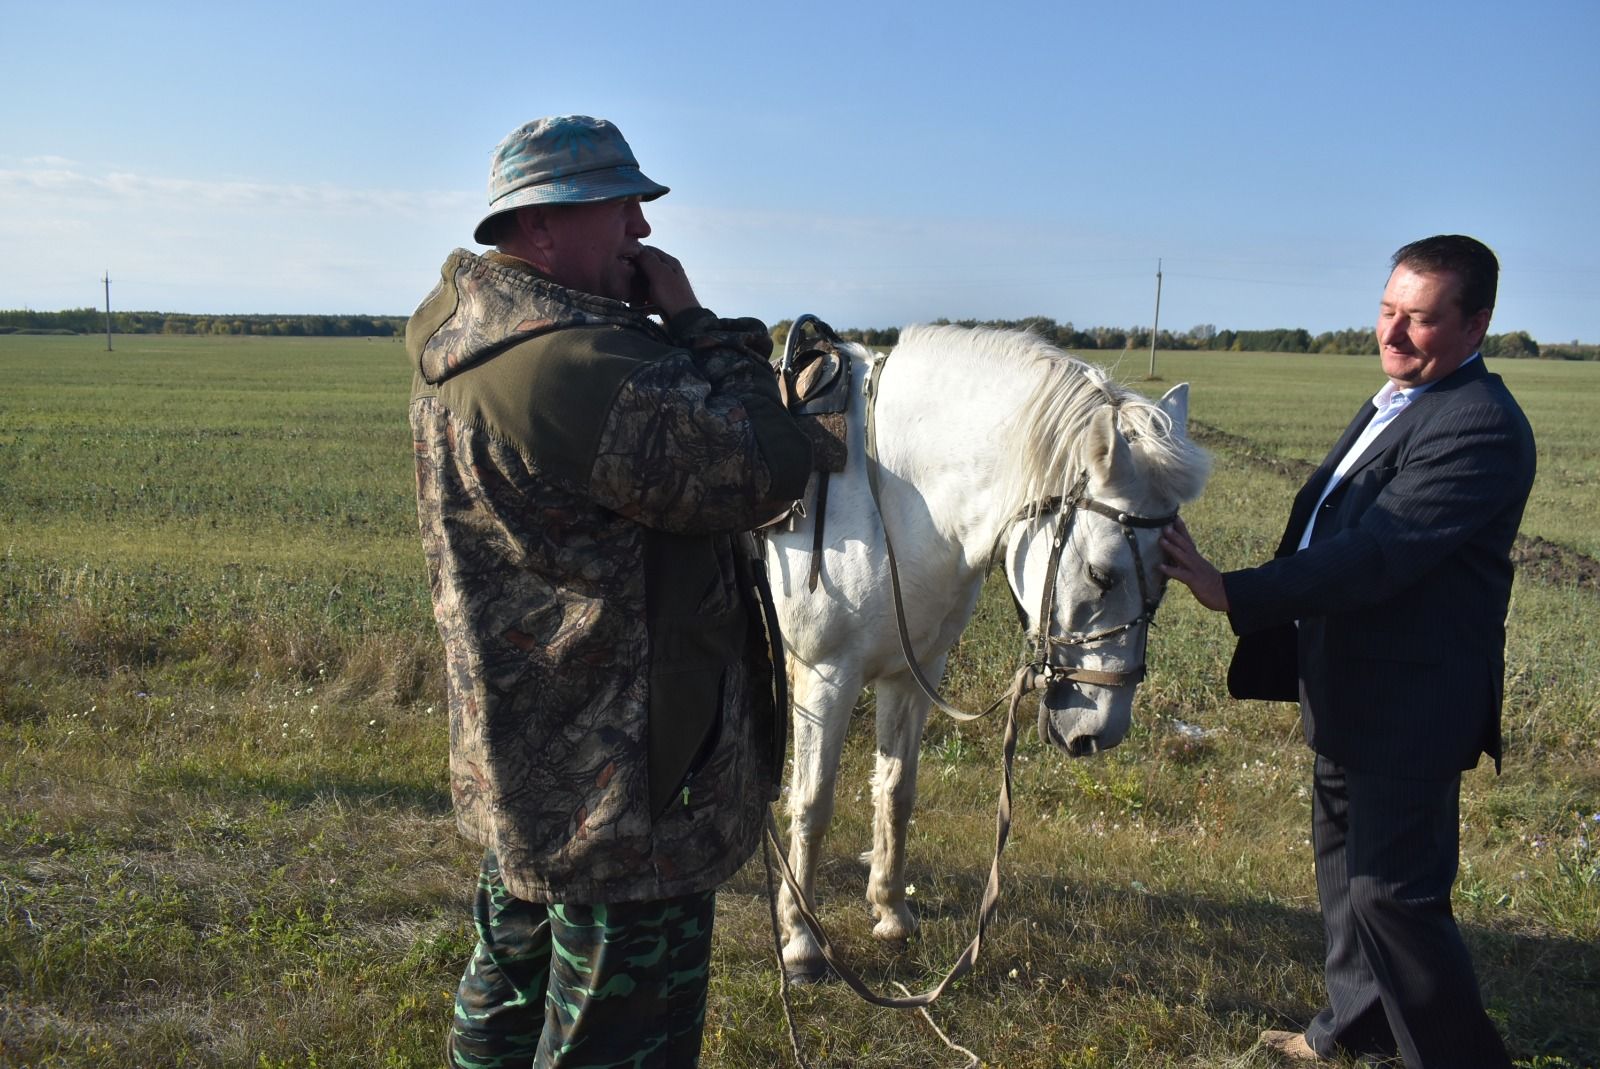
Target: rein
[[1027, 679], [901, 626]]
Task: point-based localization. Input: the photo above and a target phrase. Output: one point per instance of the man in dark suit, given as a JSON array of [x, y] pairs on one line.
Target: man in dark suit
[[1383, 614]]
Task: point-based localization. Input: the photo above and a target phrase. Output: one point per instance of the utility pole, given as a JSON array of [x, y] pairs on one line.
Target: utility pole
[[1155, 328], [107, 281]]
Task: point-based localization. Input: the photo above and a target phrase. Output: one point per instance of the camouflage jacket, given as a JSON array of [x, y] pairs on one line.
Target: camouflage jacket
[[583, 479]]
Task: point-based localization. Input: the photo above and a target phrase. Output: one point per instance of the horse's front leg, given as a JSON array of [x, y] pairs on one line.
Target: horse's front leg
[[902, 715], [821, 720]]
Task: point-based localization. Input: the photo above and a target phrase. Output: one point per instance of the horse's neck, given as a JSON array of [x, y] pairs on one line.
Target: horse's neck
[[944, 434]]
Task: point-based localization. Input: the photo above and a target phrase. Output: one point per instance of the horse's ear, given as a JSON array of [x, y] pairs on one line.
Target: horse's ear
[[1108, 453], [1176, 405]]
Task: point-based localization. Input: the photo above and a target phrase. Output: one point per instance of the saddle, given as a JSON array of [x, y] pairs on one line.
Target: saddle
[[814, 380]]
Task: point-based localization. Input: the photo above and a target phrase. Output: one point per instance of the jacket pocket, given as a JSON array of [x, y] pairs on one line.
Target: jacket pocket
[[1357, 492]]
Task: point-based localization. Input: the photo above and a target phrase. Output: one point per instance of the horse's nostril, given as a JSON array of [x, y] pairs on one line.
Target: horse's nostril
[[1084, 746]]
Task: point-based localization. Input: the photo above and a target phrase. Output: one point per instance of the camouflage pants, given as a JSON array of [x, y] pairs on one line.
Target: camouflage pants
[[596, 986]]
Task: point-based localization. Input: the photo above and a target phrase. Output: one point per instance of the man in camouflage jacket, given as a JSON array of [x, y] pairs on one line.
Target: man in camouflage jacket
[[584, 479]]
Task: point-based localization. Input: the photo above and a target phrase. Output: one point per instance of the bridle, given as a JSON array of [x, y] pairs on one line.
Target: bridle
[[1044, 644], [1042, 666]]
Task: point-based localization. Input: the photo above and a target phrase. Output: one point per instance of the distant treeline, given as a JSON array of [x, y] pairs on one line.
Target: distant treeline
[[1205, 337], [1355, 341], [93, 321]]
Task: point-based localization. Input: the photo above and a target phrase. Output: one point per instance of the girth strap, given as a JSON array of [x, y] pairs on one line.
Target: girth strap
[[818, 519]]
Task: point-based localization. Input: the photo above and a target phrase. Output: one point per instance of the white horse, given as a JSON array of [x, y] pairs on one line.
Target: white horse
[[986, 441]]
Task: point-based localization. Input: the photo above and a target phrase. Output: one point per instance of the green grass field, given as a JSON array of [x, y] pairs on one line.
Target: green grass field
[[225, 834]]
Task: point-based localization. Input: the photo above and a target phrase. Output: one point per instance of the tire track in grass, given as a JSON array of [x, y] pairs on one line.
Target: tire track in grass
[[1535, 557]]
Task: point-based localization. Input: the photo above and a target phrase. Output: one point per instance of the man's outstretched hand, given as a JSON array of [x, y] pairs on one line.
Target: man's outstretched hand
[[1184, 562]]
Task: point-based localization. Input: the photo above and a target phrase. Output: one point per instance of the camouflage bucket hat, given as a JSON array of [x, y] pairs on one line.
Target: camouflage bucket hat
[[569, 159]]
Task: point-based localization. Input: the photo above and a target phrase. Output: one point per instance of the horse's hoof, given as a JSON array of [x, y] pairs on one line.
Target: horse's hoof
[[808, 973], [894, 930]]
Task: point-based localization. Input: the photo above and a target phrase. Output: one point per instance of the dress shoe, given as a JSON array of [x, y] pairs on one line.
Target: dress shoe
[[1291, 1045]]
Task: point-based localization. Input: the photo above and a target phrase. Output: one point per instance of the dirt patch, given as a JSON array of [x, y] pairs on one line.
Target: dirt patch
[[1215, 440], [1551, 562], [1535, 558]]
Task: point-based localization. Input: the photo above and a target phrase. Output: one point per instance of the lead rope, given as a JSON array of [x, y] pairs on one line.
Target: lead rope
[[1028, 678]]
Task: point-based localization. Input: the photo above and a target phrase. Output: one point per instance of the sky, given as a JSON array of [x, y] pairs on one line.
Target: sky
[[874, 164]]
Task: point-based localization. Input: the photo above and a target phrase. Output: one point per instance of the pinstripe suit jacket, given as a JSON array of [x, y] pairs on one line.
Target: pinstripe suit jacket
[[1402, 593]]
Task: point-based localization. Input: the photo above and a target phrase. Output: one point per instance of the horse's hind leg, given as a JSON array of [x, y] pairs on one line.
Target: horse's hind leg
[[902, 714], [821, 721]]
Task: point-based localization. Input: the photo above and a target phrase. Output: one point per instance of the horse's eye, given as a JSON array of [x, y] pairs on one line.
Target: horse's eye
[[1103, 580]]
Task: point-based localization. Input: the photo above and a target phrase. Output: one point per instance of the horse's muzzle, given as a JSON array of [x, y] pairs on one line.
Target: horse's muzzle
[[1082, 720]]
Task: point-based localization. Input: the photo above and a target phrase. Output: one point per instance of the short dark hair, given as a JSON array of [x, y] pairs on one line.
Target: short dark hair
[[1469, 259]]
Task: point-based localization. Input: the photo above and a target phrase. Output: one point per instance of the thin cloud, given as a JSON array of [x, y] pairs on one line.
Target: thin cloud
[[53, 178], [192, 244]]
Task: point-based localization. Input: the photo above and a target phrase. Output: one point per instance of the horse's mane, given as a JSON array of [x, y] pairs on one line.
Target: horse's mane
[[1046, 439]]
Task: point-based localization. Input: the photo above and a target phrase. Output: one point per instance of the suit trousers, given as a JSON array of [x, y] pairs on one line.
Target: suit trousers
[[1399, 976]]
